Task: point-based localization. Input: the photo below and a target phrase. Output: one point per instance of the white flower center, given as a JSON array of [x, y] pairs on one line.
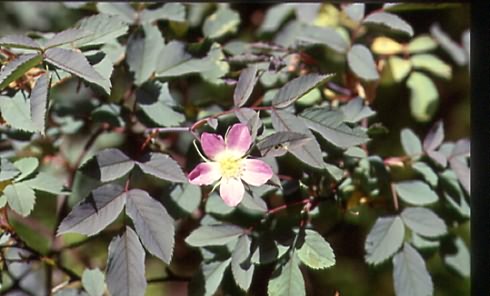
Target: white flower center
[[229, 164]]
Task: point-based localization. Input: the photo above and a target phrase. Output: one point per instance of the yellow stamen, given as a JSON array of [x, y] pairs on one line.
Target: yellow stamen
[[230, 165]]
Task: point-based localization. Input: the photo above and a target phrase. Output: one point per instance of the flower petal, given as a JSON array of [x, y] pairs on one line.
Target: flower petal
[[238, 138], [231, 191], [204, 174], [212, 144], [256, 172]]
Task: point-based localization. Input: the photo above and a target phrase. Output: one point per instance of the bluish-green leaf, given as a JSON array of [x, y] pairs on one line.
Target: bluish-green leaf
[[20, 198], [7, 170], [424, 222], [47, 182], [416, 192], [95, 212], [461, 260], [330, 125], [175, 61], [316, 252], [355, 11], [16, 112], [214, 235], [143, 53], [389, 20], [156, 102], [324, 36], [164, 167], [213, 274], [361, 62], [384, 239], [411, 143], [122, 10], [93, 281], [187, 197], [429, 175], [16, 68], [275, 16], [66, 36], [410, 274], [296, 88], [153, 224], [278, 143], [355, 110], [242, 268], [169, 11], [223, 21], [290, 281], [103, 28], [26, 166], [126, 265]]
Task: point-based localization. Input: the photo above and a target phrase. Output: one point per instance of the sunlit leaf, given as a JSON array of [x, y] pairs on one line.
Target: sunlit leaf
[[421, 43], [16, 68], [223, 21], [169, 11], [316, 252], [213, 235], [384, 239], [424, 222], [66, 36], [355, 11], [289, 282], [386, 46], [7, 170], [432, 64], [103, 28], [416, 192], [93, 281], [275, 16], [26, 166], [20, 198], [424, 98], [122, 10], [16, 112], [410, 274], [400, 67]]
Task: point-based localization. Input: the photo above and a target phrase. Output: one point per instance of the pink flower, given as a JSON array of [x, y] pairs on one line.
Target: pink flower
[[229, 165]]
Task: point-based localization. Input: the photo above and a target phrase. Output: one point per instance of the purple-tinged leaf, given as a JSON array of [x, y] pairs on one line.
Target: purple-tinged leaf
[[245, 85], [435, 137], [113, 164], [39, 102], [95, 212], [153, 224], [19, 41], [163, 167], [278, 143], [126, 265], [296, 88]]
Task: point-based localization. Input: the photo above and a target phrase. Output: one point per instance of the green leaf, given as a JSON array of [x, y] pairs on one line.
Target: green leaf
[[122, 10], [361, 62], [390, 21], [355, 110], [16, 68], [384, 239], [410, 274], [275, 16], [213, 235], [162, 166], [112, 164], [432, 64], [245, 85], [175, 61], [400, 67], [153, 224], [421, 43], [310, 153], [19, 41], [16, 112], [103, 28], [355, 11], [324, 36], [76, 64], [411, 143], [156, 102], [290, 281], [278, 143], [296, 88], [20, 198], [223, 21], [316, 252], [64, 37], [461, 260], [213, 274], [429, 175], [39, 102], [169, 11], [26, 166], [126, 265], [187, 197], [253, 203], [424, 222], [456, 52], [7, 170], [416, 193], [216, 205], [330, 126], [143, 53], [424, 97], [105, 69], [241, 267], [47, 183], [95, 212], [93, 281]]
